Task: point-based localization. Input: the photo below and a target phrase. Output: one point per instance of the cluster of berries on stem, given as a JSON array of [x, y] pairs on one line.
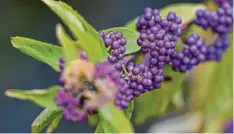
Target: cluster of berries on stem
[[157, 41]]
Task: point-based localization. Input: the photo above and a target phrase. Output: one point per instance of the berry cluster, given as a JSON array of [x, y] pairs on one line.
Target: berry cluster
[[143, 78], [155, 31], [117, 43], [195, 49], [215, 51], [193, 53], [220, 20], [125, 79], [157, 41]]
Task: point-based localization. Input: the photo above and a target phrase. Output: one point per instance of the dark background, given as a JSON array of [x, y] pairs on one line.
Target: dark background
[[31, 18]]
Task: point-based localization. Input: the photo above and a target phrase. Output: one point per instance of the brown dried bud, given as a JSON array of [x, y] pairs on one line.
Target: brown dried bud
[[78, 72]]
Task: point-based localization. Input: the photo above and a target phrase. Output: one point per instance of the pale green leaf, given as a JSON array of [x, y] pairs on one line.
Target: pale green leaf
[[87, 37], [69, 46], [54, 124], [132, 24], [100, 128], [112, 121], [45, 118], [41, 97], [129, 110], [93, 120], [44, 52]]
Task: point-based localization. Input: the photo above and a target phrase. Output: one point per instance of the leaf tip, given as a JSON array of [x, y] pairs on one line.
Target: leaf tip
[[58, 26], [14, 41], [46, 1], [8, 93], [12, 38], [59, 29]]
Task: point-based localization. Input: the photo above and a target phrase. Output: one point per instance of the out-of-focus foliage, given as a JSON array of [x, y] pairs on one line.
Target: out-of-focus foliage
[[211, 92], [212, 88]]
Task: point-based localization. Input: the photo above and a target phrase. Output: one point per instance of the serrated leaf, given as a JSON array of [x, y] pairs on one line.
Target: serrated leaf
[[88, 38], [112, 121], [69, 46], [44, 52], [152, 104], [41, 97], [45, 118], [184, 10], [130, 35]]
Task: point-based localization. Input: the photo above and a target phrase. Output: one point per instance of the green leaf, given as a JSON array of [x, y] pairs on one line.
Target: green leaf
[[41, 97], [45, 118], [105, 127], [69, 46], [132, 24], [219, 106], [178, 99], [129, 110], [211, 91], [184, 10], [54, 124], [93, 120], [100, 127], [152, 104], [112, 121], [44, 52], [88, 38], [130, 35]]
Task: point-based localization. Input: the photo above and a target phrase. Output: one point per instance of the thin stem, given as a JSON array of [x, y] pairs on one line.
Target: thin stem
[[125, 71], [133, 53]]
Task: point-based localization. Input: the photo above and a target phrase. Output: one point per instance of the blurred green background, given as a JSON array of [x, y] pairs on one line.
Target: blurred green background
[[31, 18]]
